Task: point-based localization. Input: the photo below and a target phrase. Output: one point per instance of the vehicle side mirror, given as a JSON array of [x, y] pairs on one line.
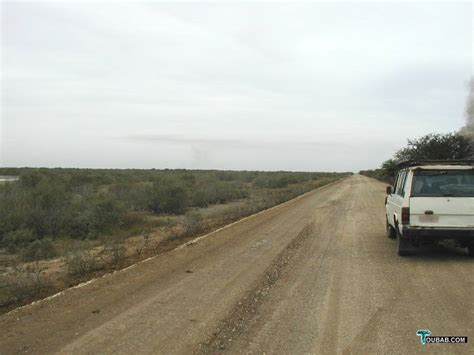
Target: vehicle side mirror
[[389, 190]]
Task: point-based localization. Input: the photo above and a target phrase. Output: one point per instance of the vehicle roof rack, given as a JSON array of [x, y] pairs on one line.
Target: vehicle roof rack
[[408, 163]]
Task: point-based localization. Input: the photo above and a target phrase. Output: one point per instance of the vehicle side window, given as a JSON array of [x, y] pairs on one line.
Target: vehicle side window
[[400, 183], [403, 185], [395, 183]]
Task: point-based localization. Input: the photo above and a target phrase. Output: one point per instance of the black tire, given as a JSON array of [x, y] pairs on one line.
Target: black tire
[[391, 232], [470, 250], [403, 245]]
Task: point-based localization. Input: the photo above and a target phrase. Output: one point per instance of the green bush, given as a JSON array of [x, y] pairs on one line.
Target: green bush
[[168, 199], [449, 146], [219, 192], [436, 146], [18, 239], [38, 250]]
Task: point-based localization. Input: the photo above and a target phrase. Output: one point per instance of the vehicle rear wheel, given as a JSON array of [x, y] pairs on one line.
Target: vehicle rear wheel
[[391, 233], [470, 250], [403, 245]]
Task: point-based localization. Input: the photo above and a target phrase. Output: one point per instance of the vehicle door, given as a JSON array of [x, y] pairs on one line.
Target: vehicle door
[[442, 199], [395, 200]]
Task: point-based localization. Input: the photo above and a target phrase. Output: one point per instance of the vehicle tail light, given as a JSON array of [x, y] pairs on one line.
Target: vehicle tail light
[[405, 215]]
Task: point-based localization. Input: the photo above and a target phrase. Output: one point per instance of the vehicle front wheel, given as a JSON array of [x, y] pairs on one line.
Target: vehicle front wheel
[[470, 250], [403, 245], [391, 233]]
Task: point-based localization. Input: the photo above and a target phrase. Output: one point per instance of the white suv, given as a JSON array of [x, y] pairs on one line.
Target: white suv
[[431, 201]]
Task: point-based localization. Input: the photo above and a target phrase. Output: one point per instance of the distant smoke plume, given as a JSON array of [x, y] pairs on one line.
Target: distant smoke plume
[[468, 129]]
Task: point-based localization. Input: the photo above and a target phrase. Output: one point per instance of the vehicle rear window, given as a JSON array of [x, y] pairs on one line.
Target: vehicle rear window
[[438, 183]]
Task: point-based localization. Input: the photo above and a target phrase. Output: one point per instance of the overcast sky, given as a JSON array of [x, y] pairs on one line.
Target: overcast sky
[[260, 86]]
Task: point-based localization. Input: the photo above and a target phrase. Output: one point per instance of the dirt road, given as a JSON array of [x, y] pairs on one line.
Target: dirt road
[[316, 275]]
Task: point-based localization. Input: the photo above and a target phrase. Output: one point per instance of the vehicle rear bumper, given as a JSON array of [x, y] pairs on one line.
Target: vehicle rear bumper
[[428, 234]]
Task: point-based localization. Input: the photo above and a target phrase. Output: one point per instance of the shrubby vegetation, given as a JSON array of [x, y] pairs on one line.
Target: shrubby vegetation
[[385, 173], [49, 204], [433, 146], [436, 147]]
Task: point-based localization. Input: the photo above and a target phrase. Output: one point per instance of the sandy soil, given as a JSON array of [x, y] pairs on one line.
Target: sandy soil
[[315, 275]]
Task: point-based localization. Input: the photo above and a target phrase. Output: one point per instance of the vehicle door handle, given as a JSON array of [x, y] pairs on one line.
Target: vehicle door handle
[[429, 212]]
